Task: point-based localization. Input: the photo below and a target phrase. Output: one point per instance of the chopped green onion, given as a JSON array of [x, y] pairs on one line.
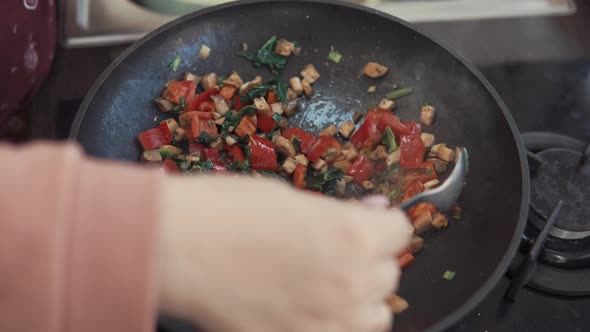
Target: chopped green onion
[[334, 56], [399, 93], [277, 117], [388, 139], [372, 89], [175, 63], [449, 275]]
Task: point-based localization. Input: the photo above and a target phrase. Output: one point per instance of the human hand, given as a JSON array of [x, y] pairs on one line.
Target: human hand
[[244, 254]]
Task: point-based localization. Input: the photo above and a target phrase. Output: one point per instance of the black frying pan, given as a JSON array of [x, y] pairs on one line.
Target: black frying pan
[[478, 248]]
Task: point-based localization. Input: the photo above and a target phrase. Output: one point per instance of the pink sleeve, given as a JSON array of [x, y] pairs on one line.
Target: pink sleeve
[[77, 239]]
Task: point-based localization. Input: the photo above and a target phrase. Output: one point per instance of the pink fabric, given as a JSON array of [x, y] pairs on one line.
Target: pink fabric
[[76, 242], [27, 45]]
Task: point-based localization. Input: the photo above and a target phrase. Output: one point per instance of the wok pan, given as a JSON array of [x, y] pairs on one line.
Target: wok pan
[[478, 248]]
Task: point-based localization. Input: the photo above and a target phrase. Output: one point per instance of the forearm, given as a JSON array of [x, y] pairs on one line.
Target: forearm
[[76, 242]]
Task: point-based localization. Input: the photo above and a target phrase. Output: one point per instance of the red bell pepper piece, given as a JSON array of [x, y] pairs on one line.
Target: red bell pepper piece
[[199, 126], [414, 212], [206, 106], [195, 102], [413, 189], [227, 92], [271, 97], [367, 135], [299, 176], [154, 138], [405, 259], [262, 154], [399, 128], [180, 89], [213, 155], [326, 147], [196, 147], [265, 122], [361, 169], [424, 173], [235, 151], [170, 167], [307, 140], [412, 151], [238, 105]]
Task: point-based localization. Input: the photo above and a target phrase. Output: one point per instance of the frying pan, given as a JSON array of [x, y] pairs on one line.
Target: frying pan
[[478, 248]]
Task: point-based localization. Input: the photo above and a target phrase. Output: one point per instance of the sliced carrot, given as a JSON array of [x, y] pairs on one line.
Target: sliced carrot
[[405, 259], [227, 92], [420, 208], [245, 127]]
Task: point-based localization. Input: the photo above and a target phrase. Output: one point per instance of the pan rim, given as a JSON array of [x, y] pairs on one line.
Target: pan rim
[[510, 253]]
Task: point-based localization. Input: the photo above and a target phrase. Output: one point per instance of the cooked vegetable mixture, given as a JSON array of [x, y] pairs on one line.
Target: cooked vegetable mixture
[[230, 125]]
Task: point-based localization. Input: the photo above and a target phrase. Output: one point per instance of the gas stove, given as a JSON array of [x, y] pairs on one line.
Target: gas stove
[[547, 287]]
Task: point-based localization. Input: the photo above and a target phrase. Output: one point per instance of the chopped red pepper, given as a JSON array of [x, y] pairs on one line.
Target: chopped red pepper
[[199, 126], [414, 212], [299, 176], [154, 138], [262, 154], [170, 166], [399, 128], [424, 173], [265, 122], [196, 147], [195, 102], [367, 135], [235, 151], [405, 259], [326, 147], [304, 137], [271, 97], [180, 89], [412, 151], [413, 189], [238, 105], [361, 169], [206, 106]]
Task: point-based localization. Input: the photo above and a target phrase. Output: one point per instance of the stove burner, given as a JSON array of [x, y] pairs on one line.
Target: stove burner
[[560, 176]]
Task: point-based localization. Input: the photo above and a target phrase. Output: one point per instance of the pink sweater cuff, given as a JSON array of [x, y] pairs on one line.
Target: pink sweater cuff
[[77, 241]]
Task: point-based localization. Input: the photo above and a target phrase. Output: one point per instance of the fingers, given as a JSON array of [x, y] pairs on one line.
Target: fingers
[[384, 281], [377, 201], [376, 318]]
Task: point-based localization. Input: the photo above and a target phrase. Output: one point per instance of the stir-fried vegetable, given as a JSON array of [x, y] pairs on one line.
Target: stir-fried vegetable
[[220, 124]]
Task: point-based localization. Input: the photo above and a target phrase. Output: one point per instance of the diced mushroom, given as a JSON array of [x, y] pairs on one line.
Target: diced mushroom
[[277, 108], [244, 47], [422, 223], [386, 104], [174, 151], [285, 146], [346, 129], [440, 166], [434, 150], [368, 185], [340, 187], [427, 115], [427, 139], [291, 107], [439, 221], [416, 244], [348, 179], [289, 165], [384, 189], [331, 130], [216, 116], [190, 158], [297, 50], [164, 105], [393, 158], [262, 106], [446, 154], [397, 304], [254, 119], [374, 69], [342, 164], [284, 47], [221, 105], [379, 153], [302, 159], [291, 94], [220, 121], [204, 52], [431, 184], [318, 165], [185, 119], [217, 144], [249, 85], [296, 85], [357, 117], [234, 80], [171, 123], [209, 81], [151, 156], [230, 140], [310, 74], [179, 134], [307, 89], [192, 77], [350, 152]]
